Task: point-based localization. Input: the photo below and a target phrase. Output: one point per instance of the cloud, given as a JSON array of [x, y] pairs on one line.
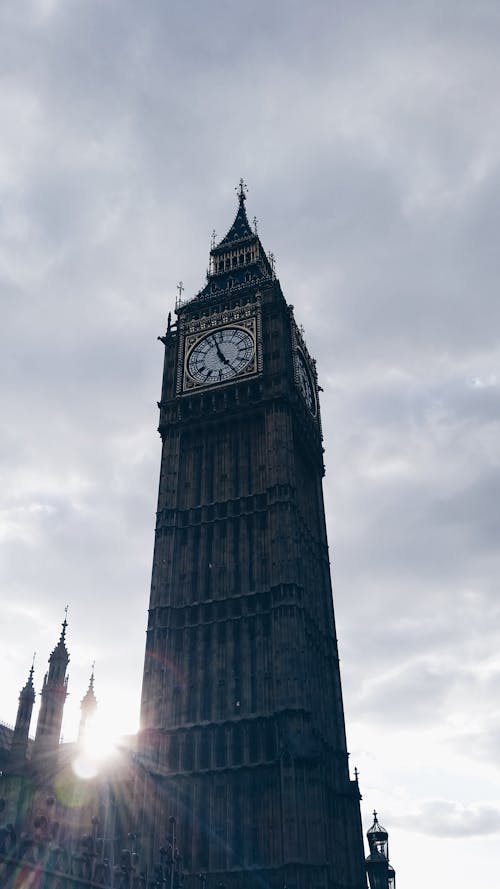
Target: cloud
[[369, 137], [442, 818]]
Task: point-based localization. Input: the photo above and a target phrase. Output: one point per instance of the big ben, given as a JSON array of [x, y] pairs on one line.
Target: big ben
[[242, 727]]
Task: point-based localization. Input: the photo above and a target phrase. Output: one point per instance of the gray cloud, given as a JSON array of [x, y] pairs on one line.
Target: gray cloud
[[370, 140], [441, 818]]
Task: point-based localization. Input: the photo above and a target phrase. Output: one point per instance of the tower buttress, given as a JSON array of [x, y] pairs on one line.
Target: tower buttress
[[88, 707], [54, 694], [19, 744]]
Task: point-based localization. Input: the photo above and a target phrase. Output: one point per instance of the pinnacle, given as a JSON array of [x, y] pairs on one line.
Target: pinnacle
[[240, 228]]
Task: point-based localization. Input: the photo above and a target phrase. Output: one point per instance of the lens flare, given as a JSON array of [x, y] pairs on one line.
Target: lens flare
[[95, 747]]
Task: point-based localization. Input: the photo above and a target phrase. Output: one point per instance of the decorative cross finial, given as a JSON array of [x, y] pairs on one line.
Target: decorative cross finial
[[255, 221], [213, 239], [374, 815], [241, 190], [356, 773]]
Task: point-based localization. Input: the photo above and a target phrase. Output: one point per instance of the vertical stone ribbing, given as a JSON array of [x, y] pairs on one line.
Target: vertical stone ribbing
[[241, 705]]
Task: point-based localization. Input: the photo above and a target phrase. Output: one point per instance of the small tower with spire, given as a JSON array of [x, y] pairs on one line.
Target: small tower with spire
[[54, 694], [19, 746], [380, 873], [88, 707]]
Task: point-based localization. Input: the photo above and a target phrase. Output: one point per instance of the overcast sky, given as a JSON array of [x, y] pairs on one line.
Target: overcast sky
[[369, 136]]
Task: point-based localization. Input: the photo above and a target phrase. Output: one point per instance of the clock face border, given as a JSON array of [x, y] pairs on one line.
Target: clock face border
[[302, 368], [192, 340]]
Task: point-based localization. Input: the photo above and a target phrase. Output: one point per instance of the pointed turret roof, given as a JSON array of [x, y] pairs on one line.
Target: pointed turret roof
[[28, 691], [239, 259], [89, 701], [60, 651], [240, 229]]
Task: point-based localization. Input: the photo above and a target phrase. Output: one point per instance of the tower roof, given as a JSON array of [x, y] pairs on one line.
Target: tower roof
[[89, 701], [239, 259], [240, 229], [376, 832], [28, 691], [60, 652]]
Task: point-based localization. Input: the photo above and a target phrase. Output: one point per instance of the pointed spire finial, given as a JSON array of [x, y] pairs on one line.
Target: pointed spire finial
[[255, 222], [213, 239], [64, 624], [241, 190], [178, 300], [91, 683]]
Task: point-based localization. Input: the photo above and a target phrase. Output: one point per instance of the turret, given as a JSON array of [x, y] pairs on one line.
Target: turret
[[19, 746], [88, 708], [54, 694], [380, 873]]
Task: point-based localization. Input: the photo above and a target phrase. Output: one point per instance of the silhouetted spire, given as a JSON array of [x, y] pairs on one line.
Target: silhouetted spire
[[60, 651], [238, 260], [88, 706], [28, 691], [54, 694], [240, 229], [19, 745]]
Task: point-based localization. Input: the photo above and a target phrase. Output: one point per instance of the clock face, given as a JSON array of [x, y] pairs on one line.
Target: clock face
[[220, 355], [305, 383]]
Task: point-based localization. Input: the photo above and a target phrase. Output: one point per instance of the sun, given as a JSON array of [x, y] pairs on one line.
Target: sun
[[97, 745]]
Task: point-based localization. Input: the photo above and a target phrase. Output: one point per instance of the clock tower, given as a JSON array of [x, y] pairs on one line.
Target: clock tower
[[242, 727]]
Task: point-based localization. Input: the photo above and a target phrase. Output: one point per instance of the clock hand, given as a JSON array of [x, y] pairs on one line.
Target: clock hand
[[219, 353]]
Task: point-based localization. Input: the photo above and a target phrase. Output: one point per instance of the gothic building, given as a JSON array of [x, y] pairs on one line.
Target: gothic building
[[242, 741], [242, 715]]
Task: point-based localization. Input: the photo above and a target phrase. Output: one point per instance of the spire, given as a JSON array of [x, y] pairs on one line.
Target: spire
[[88, 706], [19, 745], [89, 698], [28, 691], [238, 260], [241, 190], [240, 229], [60, 651], [54, 694]]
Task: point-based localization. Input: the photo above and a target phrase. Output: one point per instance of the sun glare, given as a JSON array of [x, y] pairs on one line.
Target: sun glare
[[96, 746]]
